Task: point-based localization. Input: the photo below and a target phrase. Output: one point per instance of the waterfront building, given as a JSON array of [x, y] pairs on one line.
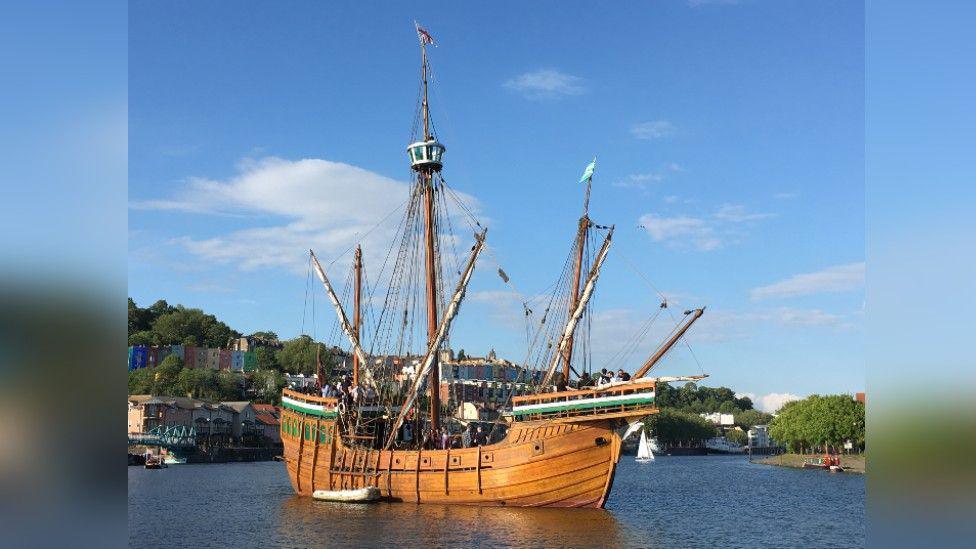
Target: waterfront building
[[214, 422], [268, 418], [722, 420], [759, 437]]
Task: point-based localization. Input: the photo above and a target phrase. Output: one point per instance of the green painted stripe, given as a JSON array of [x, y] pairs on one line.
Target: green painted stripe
[[310, 411], [584, 405]]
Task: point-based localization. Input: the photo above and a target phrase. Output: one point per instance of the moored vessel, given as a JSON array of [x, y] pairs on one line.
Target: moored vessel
[[557, 442]]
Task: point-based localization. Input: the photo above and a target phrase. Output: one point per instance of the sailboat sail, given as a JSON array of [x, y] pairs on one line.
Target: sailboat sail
[[644, 450]]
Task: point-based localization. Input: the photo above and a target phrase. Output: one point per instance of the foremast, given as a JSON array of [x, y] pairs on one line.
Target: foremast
[[579, 248]]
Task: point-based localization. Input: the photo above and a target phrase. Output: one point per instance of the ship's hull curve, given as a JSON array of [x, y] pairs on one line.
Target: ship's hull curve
[[537, 464]]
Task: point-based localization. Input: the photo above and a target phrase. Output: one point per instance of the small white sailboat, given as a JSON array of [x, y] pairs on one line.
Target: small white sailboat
[[644, 453]]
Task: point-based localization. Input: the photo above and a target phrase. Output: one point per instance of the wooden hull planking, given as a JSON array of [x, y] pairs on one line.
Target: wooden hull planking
[[538, 464]]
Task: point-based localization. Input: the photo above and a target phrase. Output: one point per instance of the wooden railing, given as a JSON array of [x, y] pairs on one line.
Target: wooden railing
[[568, 396], [588, 403], [312, 399]]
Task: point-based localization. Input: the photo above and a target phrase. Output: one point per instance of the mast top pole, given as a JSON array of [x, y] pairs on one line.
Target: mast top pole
[[425, 155]]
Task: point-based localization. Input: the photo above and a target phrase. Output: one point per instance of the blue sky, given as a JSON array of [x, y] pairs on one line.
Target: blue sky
[[732, 132]]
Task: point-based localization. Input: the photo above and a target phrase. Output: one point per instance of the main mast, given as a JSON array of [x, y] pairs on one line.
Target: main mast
[[425, 159]]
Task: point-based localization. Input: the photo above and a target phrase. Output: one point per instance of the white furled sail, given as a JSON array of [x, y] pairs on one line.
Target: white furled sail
[[644, 449], [580, 307]]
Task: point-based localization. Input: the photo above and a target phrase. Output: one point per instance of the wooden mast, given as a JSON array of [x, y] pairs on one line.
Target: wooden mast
[[669, 343], [426, 181], [584, 225], [357, 296]]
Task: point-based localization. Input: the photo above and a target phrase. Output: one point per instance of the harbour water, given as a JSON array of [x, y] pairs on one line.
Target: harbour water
[[694, 501]]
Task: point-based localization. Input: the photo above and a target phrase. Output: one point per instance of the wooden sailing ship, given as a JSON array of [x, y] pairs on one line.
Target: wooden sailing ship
[[552, 448]]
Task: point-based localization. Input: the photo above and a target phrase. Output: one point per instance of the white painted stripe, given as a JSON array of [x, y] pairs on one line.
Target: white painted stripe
[[302, 404], [590, 401]]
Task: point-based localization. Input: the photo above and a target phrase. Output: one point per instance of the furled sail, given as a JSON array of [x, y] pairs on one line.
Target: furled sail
[[580, 307], [343, 319]]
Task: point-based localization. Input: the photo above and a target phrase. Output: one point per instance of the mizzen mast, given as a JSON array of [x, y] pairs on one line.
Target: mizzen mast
[[357, 305], [425, 159]]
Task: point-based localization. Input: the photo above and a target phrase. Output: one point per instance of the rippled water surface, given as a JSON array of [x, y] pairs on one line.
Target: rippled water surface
[[714, 501]]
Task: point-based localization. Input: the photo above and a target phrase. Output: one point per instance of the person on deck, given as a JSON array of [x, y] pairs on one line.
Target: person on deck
[[605, 377], [445, 439], [585, 381], [622, 375], [466, 438], [480, 437]]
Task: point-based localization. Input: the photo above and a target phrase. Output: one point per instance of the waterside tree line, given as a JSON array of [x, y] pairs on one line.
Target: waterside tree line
[[164, 324], [679, 424]]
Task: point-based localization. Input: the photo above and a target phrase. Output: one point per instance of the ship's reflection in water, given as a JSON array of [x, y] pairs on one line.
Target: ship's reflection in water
[[305, 522]]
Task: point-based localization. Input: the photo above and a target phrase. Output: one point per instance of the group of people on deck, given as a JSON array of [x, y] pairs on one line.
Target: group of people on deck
[[605, 378], [443, 439], [347, 393]]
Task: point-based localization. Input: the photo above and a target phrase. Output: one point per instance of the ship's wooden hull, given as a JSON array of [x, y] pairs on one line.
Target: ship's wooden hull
[[538, 464]]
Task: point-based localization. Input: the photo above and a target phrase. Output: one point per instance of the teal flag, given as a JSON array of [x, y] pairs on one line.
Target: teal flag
[[588, 172]]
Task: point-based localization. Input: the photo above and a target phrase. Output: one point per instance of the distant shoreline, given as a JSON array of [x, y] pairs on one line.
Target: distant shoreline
[[854, 463]]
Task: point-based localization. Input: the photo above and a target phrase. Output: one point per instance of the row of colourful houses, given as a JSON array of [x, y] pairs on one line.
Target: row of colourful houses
[[141, 356]]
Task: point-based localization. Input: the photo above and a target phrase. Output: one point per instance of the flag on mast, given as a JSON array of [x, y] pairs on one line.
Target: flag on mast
[[588, 172], [425, 37]]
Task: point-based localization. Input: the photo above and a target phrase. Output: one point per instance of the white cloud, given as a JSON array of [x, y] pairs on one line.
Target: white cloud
[[840, 278], [699, 233], [546, 84], [737, 213], [655, 129], [807, 317], [680, 230], [769, 403], [327, 206], [638, 180], [211, 287]]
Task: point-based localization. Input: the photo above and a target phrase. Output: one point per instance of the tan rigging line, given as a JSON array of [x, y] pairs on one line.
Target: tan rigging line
[[367, 233], [646, 280]]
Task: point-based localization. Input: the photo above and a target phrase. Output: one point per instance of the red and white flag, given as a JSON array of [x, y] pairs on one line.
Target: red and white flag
[[425, 37]]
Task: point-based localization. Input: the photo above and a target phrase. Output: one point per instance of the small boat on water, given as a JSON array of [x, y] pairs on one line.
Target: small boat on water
[[362, 495], [644, 453], [155, 462], [828, 461]]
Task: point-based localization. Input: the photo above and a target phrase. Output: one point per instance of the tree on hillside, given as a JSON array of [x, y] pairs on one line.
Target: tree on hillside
[[267, 358], [700, 400], [141, 382], [750, 418], [268, 336], [738, 437], [267, 385], [298, 355], [166, 376], [139, 319], [191, 327], [230, 385]]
